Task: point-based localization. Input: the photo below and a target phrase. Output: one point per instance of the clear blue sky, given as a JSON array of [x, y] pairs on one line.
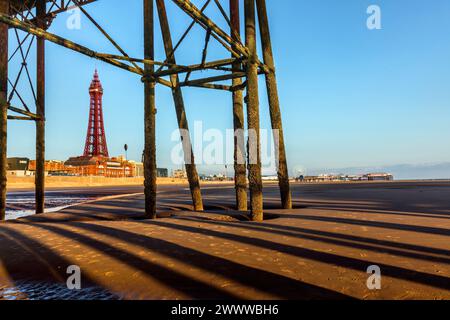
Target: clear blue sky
[[350, 96]]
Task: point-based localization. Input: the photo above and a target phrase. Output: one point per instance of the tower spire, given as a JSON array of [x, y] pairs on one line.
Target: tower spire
[[96, 139]]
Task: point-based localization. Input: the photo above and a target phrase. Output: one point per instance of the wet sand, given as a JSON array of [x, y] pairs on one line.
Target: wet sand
[[319, 250], [58, 182]]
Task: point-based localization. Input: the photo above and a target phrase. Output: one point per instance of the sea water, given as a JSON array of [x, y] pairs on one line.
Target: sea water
[[23, 204]]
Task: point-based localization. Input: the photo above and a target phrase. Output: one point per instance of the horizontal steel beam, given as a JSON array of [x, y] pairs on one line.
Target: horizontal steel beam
[[212, 86], [30, 115], [195, 67], [20, 118]]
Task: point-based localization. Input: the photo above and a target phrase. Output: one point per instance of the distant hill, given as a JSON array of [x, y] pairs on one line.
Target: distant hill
[[400, 172]]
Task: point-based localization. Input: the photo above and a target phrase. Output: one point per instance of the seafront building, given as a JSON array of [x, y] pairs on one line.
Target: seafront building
[[95, 160], [18, 167]]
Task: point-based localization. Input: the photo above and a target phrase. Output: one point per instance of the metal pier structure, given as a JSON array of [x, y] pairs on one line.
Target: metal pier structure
[[237, 73]]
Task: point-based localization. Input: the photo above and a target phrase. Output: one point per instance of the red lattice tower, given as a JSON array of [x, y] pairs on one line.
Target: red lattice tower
[[96, 139]]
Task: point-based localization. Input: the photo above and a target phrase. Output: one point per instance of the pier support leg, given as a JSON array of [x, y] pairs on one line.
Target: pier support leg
[[191, 169], [240, 168], [149, 114], [274, 104], [40, 110], [4, 8], [254, 145]]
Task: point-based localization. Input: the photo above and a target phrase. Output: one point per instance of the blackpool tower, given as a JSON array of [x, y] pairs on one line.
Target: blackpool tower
[[96, 139]]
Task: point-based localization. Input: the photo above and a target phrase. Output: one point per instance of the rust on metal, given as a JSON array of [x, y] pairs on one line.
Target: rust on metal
[[40, 110], [254, 142], [4, 8], [150, 187], [191, 169], [240, 168]]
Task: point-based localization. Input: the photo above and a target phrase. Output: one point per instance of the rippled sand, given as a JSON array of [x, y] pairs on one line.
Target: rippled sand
[[321, 249]]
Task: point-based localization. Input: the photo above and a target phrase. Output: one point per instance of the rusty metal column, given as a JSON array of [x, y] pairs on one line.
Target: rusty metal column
[[254, 144], [191, 169], [150, 113], [4, 8], [240, 169], [274, 105], [40, 109]]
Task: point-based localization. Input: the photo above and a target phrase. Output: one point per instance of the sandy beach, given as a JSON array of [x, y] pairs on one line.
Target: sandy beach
[[57, 182], [319, 250]]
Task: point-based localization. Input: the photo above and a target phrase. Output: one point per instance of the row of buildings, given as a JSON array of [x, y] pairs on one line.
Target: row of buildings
[[82, 166], [120, 168], [342, 177]]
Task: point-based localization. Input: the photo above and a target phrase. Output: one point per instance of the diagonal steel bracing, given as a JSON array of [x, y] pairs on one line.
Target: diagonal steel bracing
[[23, 9], [235, 74]]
